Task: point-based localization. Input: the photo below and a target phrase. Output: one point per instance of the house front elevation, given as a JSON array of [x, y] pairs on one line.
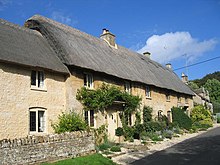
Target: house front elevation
[[72, 60]]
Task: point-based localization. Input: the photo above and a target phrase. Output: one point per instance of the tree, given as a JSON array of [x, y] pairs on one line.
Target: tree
[[213, 86], [193, 85]]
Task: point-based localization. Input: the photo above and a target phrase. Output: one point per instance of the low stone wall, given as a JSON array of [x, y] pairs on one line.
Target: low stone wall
[[36, 149]]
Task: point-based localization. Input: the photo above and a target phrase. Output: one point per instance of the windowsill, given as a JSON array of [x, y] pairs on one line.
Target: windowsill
[[37, 133], [149, 98], [38, 89]]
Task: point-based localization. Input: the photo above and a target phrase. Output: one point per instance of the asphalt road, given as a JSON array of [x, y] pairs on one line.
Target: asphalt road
[[200, 150]]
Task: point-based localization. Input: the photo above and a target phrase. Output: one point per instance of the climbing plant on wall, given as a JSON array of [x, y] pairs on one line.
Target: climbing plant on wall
[[105, 96]]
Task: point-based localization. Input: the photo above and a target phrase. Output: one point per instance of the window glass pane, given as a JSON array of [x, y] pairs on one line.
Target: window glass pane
[[33, 78], [86, 117], [148, 91], [32, 121], [40, 79], [90, 79], [41, 121], [91, 118], [85, 80]]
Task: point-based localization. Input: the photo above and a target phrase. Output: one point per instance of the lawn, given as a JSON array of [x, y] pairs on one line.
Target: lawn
[[95, 159]]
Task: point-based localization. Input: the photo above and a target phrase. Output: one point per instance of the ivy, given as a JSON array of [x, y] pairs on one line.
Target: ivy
[[105, 96]]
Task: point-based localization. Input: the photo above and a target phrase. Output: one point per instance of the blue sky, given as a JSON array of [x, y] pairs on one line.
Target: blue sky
[[174, 31]]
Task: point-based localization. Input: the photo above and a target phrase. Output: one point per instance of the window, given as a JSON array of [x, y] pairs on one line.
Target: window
[[37, 120], [178, 99], [160, 115], [88, 80], [148, 92], [186, 100], [127, 87], [168, 97], [37, 79], [89, 118]]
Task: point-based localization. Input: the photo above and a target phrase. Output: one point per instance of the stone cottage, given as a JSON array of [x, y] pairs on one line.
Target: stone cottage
[[62, 60]]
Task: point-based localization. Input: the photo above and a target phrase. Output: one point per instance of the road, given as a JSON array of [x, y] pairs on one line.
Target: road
[[200, 150]]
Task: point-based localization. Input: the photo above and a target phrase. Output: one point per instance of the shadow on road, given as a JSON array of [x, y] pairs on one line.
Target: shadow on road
[[201, 150]]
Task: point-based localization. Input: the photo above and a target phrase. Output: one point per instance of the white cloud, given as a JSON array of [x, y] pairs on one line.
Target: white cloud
[[169, 46], [65, 19], [4, 3]]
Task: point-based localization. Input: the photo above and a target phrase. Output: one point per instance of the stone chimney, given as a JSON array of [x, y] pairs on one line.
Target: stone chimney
[[184, 78], [147, 54], [169, 66], [108, 37]]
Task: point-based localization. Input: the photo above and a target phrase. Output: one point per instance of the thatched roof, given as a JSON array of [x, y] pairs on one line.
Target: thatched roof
[[77, 48], [27, 47]]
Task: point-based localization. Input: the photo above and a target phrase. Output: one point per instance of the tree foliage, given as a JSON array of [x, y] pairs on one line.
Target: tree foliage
[[201, 82], [193, 85], [213, 86]]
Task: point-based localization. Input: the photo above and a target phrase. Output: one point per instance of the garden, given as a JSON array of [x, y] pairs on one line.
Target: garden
[[150, 130]]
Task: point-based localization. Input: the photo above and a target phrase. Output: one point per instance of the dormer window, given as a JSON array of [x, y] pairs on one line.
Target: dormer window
[[37, 79], [88, 80]]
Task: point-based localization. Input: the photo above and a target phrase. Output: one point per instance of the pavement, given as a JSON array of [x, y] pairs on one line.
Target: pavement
[[199, 148]]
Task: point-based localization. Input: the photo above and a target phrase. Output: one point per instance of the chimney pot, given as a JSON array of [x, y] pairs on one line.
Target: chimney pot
[[169, 66], [147, 54], [184, 78]]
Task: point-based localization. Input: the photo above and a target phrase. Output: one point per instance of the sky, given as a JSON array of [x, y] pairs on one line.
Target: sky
[[183, 33]]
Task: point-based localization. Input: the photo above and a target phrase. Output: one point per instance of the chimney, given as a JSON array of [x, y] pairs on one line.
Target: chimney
[[184, 78], [147, 54], [108, 37], [169, 66]]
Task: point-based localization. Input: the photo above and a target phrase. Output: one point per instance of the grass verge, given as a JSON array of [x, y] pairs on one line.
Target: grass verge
[[95, 159]]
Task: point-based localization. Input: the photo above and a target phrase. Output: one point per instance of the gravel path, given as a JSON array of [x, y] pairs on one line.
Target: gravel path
[[130, 157]]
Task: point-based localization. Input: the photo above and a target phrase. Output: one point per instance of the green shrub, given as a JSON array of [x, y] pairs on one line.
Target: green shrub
[[144, 136], [137, 130], [104, 146], [115, 149], [167, 134], [199, 113], [154, 126], [119, 131], [218, 117], [129, 133], [181, 119], [69, 122], [147, 114], [154, 137]]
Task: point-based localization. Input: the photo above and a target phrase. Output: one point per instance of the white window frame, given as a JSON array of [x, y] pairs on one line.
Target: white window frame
[[127, 87], [88, 80], [88, 121], [39, 79], [148, 91], [42, 128]]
